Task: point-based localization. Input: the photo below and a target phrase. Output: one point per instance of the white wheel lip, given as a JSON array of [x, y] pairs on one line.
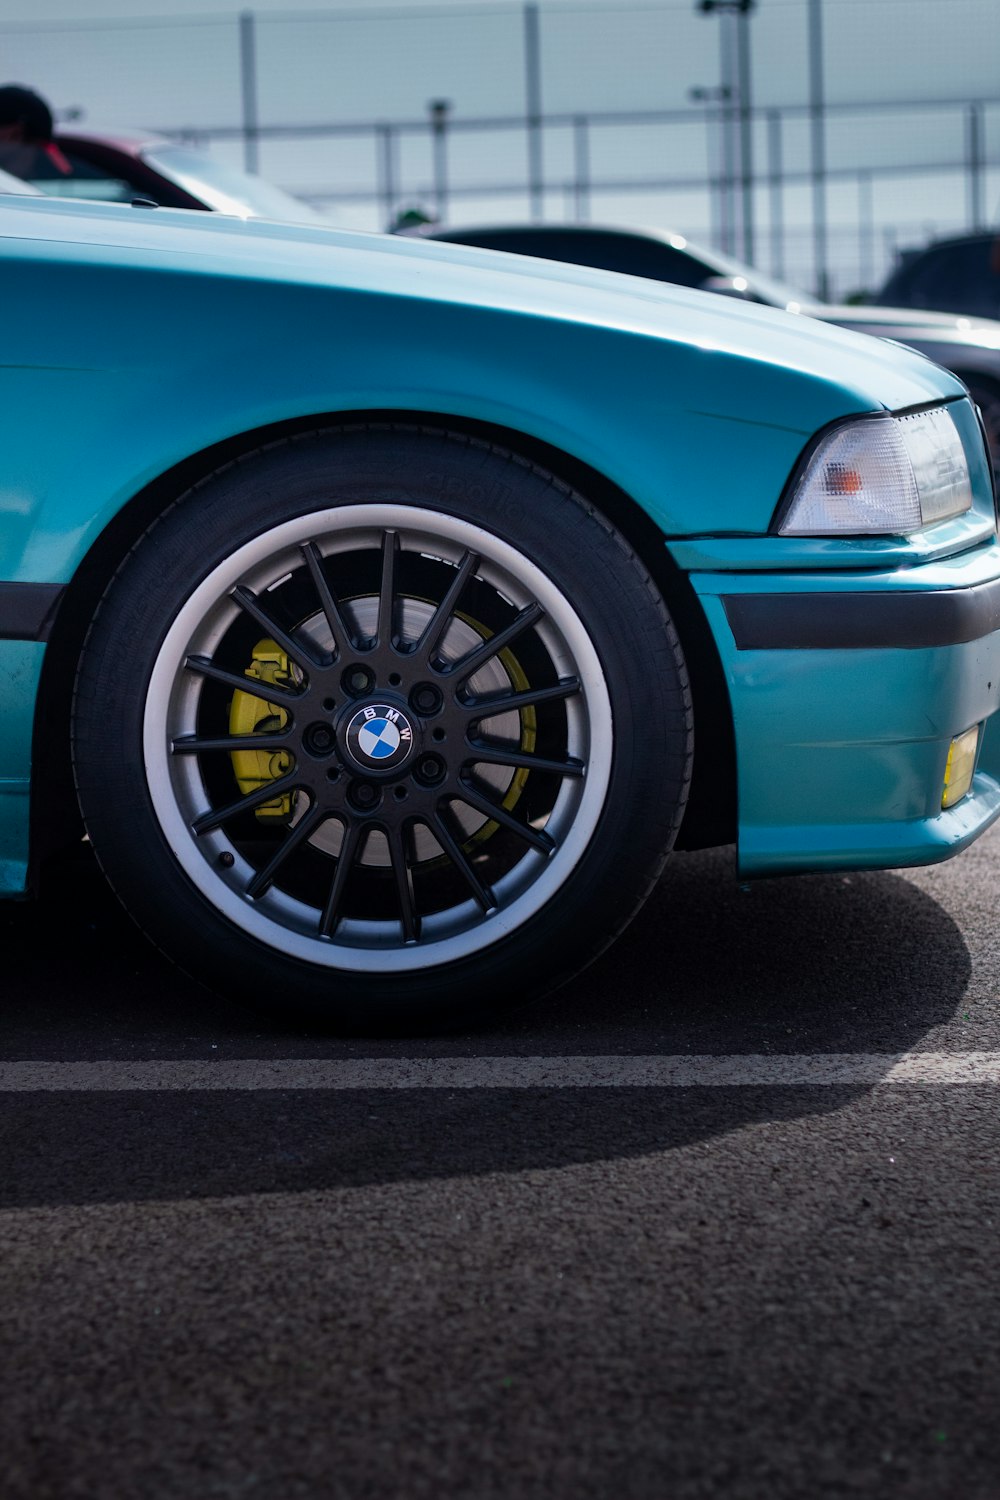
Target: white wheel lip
[[190, 851]]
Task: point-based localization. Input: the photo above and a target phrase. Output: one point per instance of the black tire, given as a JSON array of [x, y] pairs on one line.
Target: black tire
[[403, 579]]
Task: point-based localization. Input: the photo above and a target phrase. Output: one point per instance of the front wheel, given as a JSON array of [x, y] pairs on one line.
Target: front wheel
[[383, 724]]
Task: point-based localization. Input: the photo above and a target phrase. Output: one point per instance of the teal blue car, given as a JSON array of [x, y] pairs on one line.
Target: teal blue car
[[385, 611]]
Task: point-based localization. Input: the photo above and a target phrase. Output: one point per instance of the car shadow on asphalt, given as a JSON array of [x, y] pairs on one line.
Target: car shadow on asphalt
[[861, 963]]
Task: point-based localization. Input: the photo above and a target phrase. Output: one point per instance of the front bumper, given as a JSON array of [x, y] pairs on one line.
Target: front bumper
[[846, 690]]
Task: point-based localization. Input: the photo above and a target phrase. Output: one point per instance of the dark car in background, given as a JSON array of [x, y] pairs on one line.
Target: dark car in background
[[969, 347], [960, 275]]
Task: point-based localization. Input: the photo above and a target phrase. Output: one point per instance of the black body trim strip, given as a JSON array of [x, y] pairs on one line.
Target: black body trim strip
[[908, 619], [28, 610]]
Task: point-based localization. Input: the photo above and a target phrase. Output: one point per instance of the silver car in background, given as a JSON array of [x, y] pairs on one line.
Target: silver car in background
[[967, 346]]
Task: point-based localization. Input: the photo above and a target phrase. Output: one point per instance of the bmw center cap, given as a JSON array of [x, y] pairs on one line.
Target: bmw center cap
[[379, 737]]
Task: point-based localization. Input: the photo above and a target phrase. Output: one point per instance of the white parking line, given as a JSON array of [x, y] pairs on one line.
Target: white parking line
[[818, 1070]]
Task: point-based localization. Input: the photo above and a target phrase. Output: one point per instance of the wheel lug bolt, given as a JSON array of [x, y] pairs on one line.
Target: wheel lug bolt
[[319, 739], [429, 769], [426, 699], [358, 680], [364, 795]]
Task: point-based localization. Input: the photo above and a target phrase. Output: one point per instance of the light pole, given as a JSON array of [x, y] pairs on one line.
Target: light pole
[[734, 70], [439, 110]]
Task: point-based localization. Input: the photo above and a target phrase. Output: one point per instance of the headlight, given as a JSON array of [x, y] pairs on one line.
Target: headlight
[[881, 474]]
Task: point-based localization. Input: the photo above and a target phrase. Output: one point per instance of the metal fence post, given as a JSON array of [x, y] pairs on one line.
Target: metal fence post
[[975, 166], [728, 120], [746, 131], [385, 137], [866, 231], [581, 168], [439, 109], [776, 183], [248, 89], [817, 121], [533, 108], [737, 121]]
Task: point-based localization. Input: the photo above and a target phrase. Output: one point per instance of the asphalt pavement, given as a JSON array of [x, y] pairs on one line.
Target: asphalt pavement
[[718, 1218]]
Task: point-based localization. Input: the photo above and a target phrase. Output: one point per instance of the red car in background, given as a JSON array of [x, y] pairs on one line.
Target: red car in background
[[121, 167]]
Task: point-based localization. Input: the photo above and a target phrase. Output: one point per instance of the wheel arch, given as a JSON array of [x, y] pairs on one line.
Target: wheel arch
[[710, 817]]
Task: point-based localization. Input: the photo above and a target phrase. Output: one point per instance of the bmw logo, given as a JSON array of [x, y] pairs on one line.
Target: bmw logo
[[379, 737]]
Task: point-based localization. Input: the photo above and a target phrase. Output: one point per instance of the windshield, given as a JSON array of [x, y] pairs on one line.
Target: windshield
[[11, 184], [227, 189], [775, 293]]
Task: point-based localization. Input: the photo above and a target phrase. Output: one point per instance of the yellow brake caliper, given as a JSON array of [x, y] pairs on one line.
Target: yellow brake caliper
[[529, 723], [249, 713]]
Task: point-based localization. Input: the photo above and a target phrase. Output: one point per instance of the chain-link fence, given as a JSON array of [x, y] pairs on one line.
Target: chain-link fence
[[813, 137]]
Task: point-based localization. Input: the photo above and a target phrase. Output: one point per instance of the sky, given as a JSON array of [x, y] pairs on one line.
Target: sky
[[174, 64], [64, 10]]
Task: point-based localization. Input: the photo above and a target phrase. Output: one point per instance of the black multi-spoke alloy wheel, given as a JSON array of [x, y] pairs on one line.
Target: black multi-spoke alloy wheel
[[385, 725]]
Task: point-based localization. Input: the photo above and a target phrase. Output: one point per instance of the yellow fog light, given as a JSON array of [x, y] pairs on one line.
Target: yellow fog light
[[961, 764]]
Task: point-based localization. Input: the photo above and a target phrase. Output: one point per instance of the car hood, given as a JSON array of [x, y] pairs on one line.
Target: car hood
[[869, 374]]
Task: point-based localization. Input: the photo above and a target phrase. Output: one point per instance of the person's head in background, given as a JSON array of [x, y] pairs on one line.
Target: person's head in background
[[26, 145]]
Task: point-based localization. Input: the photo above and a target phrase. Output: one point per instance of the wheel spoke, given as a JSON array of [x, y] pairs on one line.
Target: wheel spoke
[[306, 826], [297, 650], [538, 839], [404, 889], [439, 621], [216, 816], [343, 642], [456, 854], [502, 755], [469, 664], [345, 860], [487, 704], [386, 628], [268, 692], [193, 744]]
